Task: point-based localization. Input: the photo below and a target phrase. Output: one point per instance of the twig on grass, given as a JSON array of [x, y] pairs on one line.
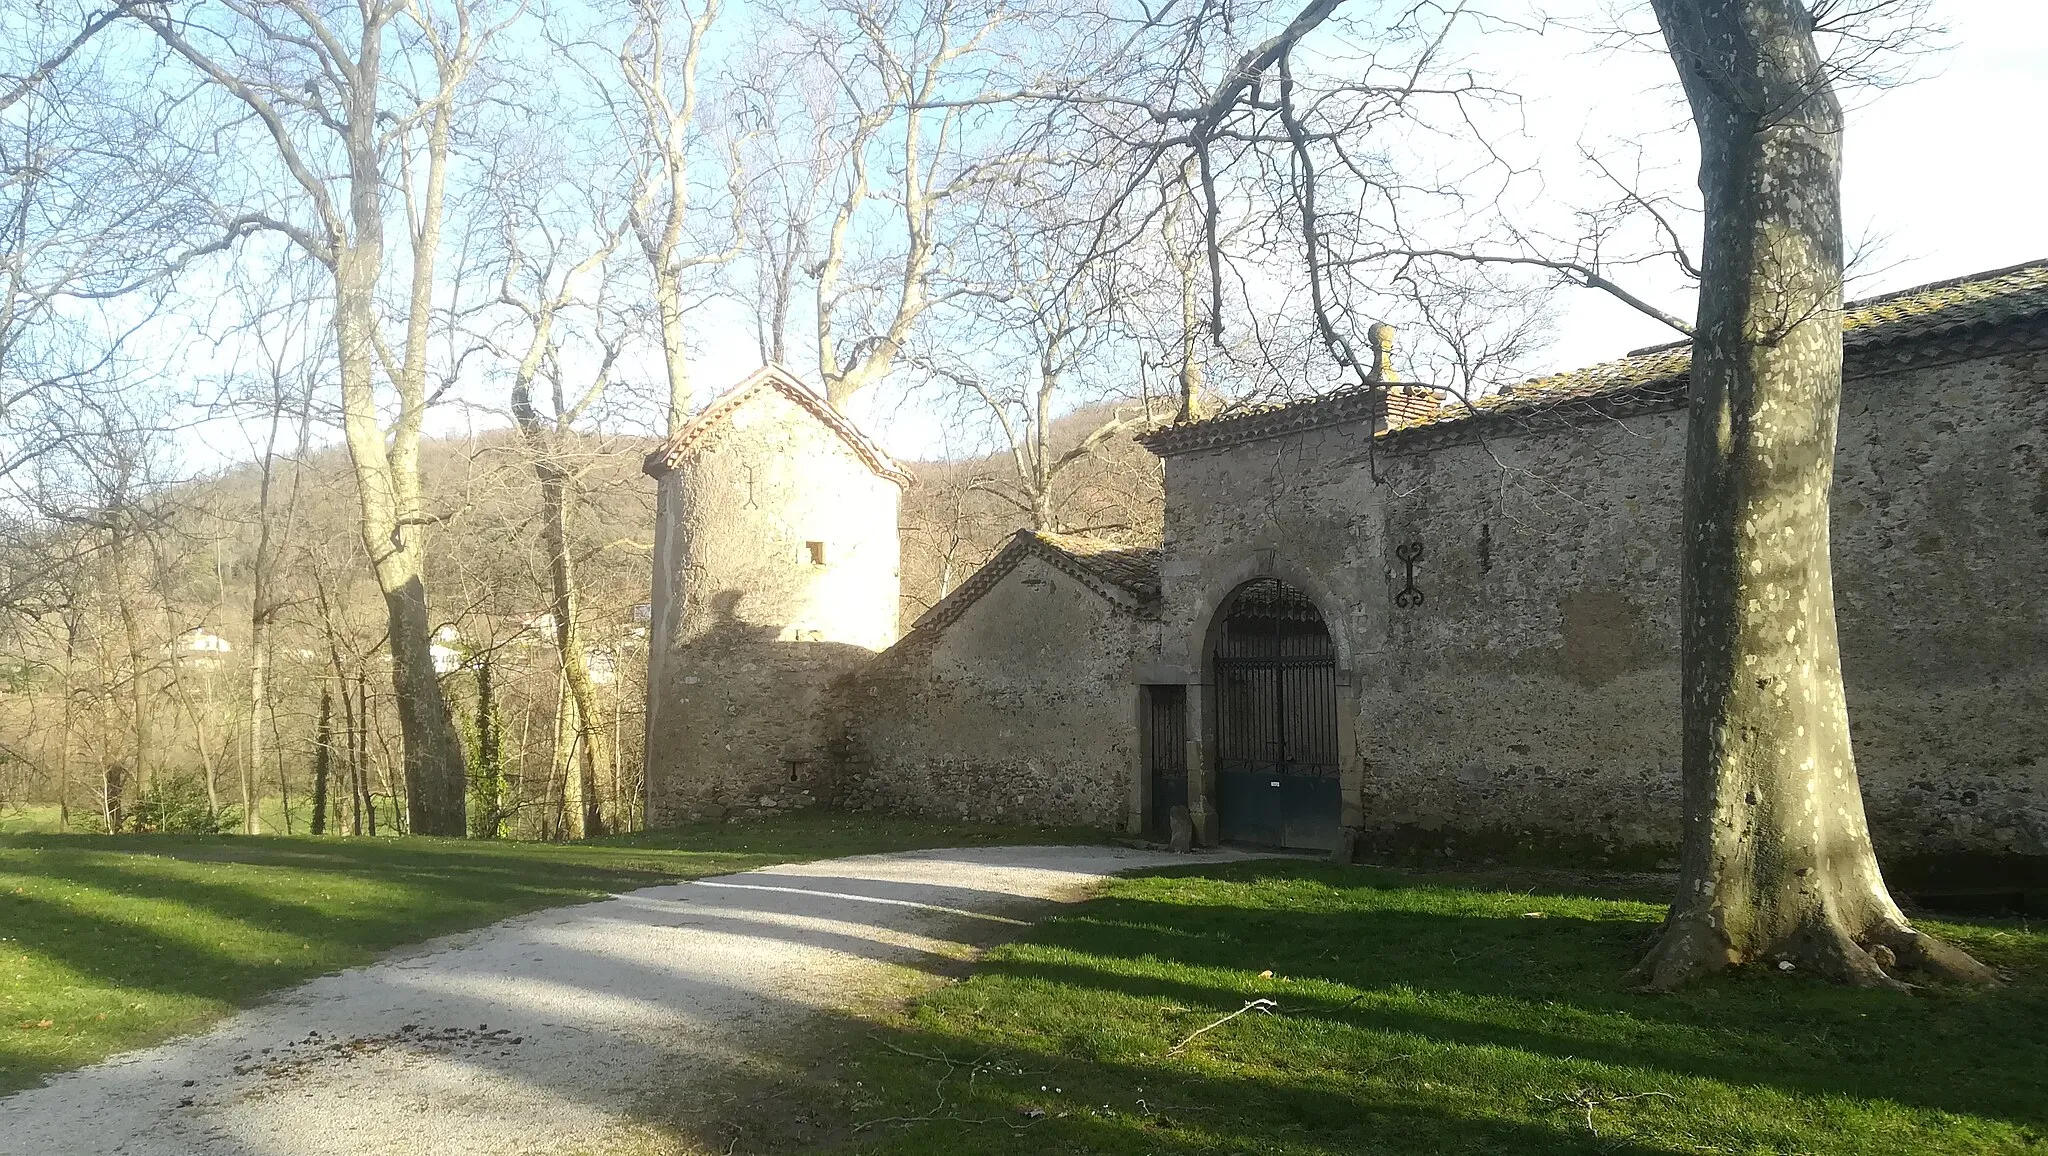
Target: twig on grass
[[941, 1058], [1585, 1100], [1376, 1065], [1264, 1006], [939, 1111], [951, 1116]]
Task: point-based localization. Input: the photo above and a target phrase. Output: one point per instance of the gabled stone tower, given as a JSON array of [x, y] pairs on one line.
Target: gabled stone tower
[[775, 573]]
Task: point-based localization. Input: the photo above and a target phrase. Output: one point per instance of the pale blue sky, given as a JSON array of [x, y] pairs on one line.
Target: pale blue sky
[[1953, 168]]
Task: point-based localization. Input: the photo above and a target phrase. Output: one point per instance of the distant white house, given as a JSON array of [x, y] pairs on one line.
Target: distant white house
[[447, 657], [198, 647]]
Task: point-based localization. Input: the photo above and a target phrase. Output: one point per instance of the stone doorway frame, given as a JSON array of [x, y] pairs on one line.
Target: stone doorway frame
[[1218, 588]]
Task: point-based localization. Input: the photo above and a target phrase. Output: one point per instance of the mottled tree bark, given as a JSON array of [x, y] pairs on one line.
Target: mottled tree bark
[[259, 692], [138, 664], [359, 755], [487, 819], [386, 465], [1776, 865], [262, 611], [73, 624], [1189, 378]]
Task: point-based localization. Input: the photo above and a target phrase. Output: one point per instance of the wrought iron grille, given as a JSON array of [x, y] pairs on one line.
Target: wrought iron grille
[[1276, 670], [1277, 780]]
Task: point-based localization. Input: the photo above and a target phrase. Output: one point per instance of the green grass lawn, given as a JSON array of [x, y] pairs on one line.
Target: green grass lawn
[[23, 820], [1424, 1014], [42, 818], [111, 943]]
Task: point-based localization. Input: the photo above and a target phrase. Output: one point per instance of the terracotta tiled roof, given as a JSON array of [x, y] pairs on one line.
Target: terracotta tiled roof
[[671, 452], [1977, 315], [1127, 577]]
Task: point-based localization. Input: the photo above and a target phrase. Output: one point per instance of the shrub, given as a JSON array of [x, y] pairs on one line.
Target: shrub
[[178, 805]]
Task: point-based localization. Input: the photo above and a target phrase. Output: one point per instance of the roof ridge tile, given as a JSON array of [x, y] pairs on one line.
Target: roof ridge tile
[[1945, 310], [670, 452]]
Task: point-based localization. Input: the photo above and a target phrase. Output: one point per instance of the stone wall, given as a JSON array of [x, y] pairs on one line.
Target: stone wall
[[1301, 508], [1532, 696], [1538, 680], [1021, 710], [752, 622]]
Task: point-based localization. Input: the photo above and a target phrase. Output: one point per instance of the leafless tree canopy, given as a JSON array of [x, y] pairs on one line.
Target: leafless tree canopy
[[330, 332]]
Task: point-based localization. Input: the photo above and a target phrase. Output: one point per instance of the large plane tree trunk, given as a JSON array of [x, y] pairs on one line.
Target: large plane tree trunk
[[362, 147], [387, 484], [1776, 865]]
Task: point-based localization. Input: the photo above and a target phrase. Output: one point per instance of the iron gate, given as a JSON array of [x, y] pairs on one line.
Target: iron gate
[[1166, 753], [1276, 721]]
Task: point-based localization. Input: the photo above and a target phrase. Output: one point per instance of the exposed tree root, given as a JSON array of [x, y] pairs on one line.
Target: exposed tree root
[[1921, 953], [1691, 947], [1823, 947]]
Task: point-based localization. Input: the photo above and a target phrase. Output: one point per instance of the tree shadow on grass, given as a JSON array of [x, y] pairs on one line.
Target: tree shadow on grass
[[905, 1090], [136, 926], [1549, 986], [395, 904], [373, 856], [148, 954]]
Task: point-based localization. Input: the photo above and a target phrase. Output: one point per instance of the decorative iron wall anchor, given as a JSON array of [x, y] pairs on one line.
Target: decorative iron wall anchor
[[1409, 553]]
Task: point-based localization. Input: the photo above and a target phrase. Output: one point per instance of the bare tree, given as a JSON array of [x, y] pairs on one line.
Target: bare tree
[[550, 287], [45, 57], [280, 391], [915, 146], [788, 153], [341, 124], [1183, 257], [1776, 862], [1034, 337], [104, 486], [659, 61], [94, 202]]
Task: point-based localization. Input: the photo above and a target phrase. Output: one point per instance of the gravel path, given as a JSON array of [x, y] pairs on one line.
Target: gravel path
[[538, 1034]]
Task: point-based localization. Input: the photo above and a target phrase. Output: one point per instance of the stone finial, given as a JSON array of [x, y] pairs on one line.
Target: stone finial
[[1381, 335]]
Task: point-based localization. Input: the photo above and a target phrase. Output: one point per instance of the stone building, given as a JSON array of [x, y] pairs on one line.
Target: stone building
[[1499, 582], [1457, 631], [1013, 697], [775, 574]]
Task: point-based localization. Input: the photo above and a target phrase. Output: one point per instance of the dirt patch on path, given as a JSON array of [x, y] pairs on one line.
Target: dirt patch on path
[[550, 1032]]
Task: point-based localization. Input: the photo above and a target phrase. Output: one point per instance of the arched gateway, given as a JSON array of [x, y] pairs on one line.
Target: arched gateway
[[1275, 720]]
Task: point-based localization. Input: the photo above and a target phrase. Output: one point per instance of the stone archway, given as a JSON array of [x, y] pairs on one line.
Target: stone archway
[[1274, 723]]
